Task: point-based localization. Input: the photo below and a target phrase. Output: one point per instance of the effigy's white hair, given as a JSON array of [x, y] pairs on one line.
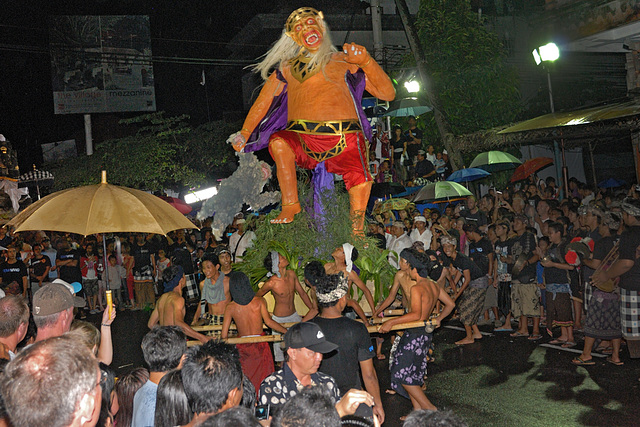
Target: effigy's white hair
[[285, 49]]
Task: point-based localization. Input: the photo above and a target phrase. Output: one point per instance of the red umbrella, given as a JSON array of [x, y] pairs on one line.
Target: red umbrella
[[530, 167], [179, 204]]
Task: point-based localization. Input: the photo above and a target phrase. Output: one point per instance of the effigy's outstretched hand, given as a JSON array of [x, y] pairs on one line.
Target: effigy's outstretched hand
[[356, 54], [237, 141]]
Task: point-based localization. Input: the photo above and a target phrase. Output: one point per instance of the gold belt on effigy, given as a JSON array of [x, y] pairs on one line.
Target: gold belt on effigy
[[324, 128]]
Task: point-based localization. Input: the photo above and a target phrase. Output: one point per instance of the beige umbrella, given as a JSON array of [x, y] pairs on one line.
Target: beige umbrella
[[101, 208]]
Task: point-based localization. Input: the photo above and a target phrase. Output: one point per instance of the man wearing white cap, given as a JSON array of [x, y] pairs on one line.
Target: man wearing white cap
[[396, 242], [421, 233], [240, 240], [53, 307]]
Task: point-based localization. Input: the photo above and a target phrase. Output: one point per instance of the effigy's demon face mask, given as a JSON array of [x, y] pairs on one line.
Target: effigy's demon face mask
[[305, 27]]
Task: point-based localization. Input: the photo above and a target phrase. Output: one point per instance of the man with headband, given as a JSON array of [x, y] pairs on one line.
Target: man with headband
[[170, 308], [627, 268], [410, 360], [343, 258], [355, 352], [248, 312], [283, 284]]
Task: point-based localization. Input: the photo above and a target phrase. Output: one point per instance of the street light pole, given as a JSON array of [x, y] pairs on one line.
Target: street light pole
[[549, 53]]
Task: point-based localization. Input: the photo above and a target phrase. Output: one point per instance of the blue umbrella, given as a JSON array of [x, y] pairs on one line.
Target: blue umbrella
[[468, 174], [612, 183]]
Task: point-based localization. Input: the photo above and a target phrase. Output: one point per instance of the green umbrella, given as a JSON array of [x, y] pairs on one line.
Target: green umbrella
[[441, 190], [494, 161]]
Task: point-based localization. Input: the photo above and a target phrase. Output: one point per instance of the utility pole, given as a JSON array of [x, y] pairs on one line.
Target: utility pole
[[443, 126]]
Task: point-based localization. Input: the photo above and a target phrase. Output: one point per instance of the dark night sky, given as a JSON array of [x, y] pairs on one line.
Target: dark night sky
[[182, 28]]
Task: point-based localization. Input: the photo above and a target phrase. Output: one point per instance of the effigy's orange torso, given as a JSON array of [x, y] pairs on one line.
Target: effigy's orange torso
[[323, 96]]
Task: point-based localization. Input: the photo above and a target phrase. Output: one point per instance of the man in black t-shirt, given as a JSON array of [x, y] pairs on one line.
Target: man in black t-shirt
[[14, 270], [143, 272], [627, 267], [481, 252], [355, 352], [68, 263], [425, 171], [473, 215], [413, 137]]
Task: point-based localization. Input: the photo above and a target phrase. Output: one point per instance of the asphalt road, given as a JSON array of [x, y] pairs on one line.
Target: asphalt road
[[497, 381]]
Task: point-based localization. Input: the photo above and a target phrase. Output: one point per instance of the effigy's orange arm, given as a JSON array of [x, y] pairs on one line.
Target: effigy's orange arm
[[270, 90], [378, 83]]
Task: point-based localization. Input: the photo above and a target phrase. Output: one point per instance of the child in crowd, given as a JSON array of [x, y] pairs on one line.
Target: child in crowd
[[161, 263], [440, 166], [117, 275]]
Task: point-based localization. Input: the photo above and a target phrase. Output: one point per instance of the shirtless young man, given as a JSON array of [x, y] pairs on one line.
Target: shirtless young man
[[170, 309], [214, 289], [343, 258], [283, 285], [224, 256], [248, 312], [408, 366]]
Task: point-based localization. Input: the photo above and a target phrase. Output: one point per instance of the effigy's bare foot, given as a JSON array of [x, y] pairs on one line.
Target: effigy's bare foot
[[287, 214]]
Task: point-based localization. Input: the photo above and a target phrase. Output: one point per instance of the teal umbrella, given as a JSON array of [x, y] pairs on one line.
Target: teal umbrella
[[441, 190], [407, 107], [495, 161]]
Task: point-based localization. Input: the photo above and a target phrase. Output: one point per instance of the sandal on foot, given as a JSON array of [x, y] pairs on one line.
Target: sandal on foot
[[610, 360], [581, 362], [535, 337], [568, 344], [518, 334], [557, 341]]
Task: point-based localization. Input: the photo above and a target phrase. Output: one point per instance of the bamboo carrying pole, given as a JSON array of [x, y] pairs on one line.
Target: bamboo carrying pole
[[208, 328], [429, 325]]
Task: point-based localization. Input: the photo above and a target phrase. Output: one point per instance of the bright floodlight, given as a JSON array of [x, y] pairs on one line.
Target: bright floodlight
[[412, 86], [536, 56], [549, 52], [198, 196]]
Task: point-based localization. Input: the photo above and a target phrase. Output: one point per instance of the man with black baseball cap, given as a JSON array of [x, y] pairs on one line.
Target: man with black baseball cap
[[304, 344], [53, 307]]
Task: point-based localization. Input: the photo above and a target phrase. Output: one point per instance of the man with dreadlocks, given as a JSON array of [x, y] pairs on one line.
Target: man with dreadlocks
[[308, 111], [410, 360]]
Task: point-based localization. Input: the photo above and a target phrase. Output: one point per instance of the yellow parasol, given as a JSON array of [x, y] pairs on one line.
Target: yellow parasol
[[101, 208]]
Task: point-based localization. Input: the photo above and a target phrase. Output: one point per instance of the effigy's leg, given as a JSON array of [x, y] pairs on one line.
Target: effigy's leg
[[358, 198], [285, 160]]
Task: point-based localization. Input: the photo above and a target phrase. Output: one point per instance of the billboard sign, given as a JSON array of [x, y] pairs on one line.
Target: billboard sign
[[101, 64]]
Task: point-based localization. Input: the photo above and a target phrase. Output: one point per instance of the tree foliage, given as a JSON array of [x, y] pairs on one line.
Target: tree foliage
[[162, 153], [476, 88]]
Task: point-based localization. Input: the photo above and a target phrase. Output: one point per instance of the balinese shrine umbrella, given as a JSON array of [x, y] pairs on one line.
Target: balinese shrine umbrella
[[101, 208], [530, 167], [440, 191], [494, 161], [37, 179]]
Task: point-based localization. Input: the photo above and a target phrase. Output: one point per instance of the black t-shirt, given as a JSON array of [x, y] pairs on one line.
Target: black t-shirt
[[552, 274], [412, 149], [398, 146], [525, 244], [463, 262], [70, 273], [504, 249], [630, 250], [13, 272], [479, 253], [423, 168], [354, 347], [39, 266], [478, 218], [141, 256]]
